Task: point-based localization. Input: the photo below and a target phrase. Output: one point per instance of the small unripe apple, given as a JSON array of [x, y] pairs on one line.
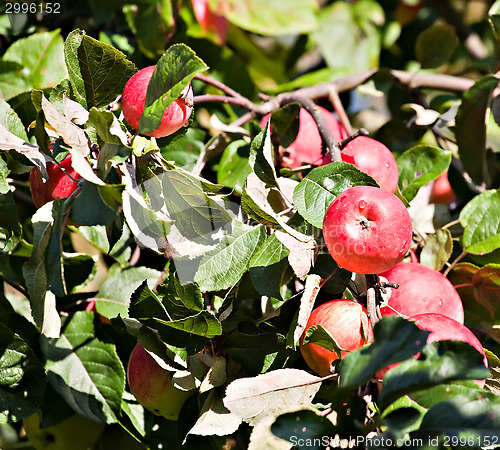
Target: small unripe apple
[[58, 185], [375, 159], [75, 433], [441, 191], [443, 328], [347, 322], [307, 146], [152, 385], [134, 99], [421, 290], [367, 230]]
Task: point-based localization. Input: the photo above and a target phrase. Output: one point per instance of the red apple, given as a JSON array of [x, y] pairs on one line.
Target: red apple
[[209, 20], [134, 98], [443, 328], [58, 185], [373, 158], [307, 146], [152, 385], [367, 230], [441, 191], [421, 290], [348, 324]]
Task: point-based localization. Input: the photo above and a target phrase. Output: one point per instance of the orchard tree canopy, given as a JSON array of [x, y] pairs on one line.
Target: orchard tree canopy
[[207, 245]]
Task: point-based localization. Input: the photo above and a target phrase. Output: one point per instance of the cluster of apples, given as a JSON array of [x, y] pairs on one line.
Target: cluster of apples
[[368, 230]]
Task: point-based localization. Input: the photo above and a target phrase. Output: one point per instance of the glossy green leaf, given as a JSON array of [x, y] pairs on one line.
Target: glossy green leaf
[[418, 166], [174, 71], [435, 45], [268, 266], [223, 266], [481, 221], [41, 55], [470, 127], [97, 71], [84, 368], [314, 194], [234, 166], [262, 157], [280, 17], [394, 339], [439, 363]]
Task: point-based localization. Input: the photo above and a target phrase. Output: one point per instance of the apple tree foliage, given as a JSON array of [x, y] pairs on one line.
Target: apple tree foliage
[[204, 249]]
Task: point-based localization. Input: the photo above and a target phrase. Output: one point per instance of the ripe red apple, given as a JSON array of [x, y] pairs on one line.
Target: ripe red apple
[[373, 158], [209, 20], [367, 230], [134, 99], [441, 191], [58, 185], [152, 385], [421, 290], [75, 433], [306, 148], [348, 324], [443, 328]]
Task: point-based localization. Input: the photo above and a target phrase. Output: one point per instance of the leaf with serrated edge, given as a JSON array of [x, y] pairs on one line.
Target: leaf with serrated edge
[[85, 369], [215, 418], [273, 393], [261, 157], [481, 221], [307, 300]]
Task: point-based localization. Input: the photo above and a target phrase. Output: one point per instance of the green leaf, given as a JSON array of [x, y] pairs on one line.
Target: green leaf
[[262, 157], [470, 129], [259, 353], [9, 218], [36, 270], [10, 120], [174, 71], [268, 266], [278, 17], [234, 166], [394, 340], [146, 304], [435, 45], [481, 221], [348, 36], [440, 362], [471, 421], [84, 368], [316, 334], [97, 71], [314, 194], [152, 22], [89, 208], [437, 249], [11, 84], [494, 19], [22, 377], [41, 55], [223, 266], [479, 288], [203, 324], [307, 427], [418, 166], [114, 295]]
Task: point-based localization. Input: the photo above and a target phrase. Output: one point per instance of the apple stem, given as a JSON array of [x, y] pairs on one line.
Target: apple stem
[[360, 132]]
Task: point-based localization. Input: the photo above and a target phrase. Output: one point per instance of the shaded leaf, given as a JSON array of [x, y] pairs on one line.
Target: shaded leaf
[[437, 249], [84, 368], [262, 157], [418, 166], [435, 45]]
